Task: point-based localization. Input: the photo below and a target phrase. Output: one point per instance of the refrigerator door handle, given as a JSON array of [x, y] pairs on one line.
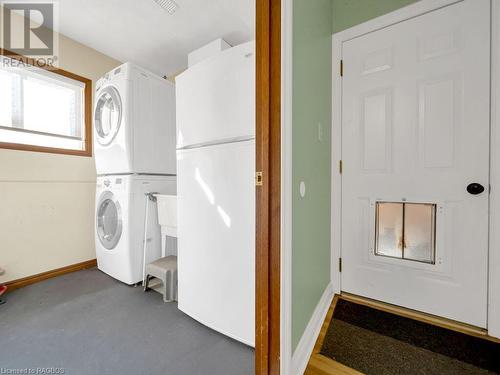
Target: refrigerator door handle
[[243, 138]]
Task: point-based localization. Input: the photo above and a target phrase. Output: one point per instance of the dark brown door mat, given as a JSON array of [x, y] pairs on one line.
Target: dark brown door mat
[[377, 342]]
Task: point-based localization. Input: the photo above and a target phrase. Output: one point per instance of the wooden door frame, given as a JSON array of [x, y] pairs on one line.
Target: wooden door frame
[[408, 12], [268, 193]]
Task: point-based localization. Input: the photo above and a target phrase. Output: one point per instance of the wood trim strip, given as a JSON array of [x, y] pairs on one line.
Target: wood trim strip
[[324, 327], [25, 281], [320, 364], [47, 150], [87, 93], [452, 325], [268, 196], [262, 192]]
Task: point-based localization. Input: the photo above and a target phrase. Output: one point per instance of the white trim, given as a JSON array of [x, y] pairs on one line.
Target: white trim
[[336, 185], [411, 11], [305, 347], [494, 243], [286, 186], [400, 15]]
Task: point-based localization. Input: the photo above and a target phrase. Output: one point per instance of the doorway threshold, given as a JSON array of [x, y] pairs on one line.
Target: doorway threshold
[[360, 335], [434, 320]]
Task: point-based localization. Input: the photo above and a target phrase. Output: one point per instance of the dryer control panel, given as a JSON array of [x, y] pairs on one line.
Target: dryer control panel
[[111, 183]]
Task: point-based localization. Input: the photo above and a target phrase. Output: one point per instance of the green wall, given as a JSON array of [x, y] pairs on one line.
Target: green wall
[[347, 13], [313, 23], [312, 55]]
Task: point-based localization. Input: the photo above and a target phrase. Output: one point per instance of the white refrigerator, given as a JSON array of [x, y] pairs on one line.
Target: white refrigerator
[[216, 192]]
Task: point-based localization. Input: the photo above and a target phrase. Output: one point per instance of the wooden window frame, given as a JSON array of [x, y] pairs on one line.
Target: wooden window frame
[[268, 193], [87, 108]]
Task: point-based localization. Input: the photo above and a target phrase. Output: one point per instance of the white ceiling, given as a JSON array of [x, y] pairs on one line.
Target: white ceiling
[[142, 32]]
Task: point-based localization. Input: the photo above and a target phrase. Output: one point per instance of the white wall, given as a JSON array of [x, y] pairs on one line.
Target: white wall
[[47, 200]]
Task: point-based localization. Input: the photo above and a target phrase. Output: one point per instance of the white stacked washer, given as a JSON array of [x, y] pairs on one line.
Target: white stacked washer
[[120, 223], [134, 143]]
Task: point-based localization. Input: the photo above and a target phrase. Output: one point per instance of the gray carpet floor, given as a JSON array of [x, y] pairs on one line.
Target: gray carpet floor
[[88, 323]]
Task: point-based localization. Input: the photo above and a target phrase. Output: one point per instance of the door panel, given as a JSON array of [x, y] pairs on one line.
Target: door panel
[[216, 237], [415, 130]]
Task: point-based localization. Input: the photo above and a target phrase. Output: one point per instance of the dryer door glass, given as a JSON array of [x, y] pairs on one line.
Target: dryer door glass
[[109, 223], [107, 115]]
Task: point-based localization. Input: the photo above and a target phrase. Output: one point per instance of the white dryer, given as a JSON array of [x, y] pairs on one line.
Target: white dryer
[[134, 123], [119, 223]]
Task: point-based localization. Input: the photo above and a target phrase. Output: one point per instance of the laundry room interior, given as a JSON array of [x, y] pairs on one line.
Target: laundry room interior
[[237, 187], [133, 145]]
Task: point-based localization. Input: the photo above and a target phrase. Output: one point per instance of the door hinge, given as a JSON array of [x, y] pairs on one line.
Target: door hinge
[[258, 178], [340, 166], [340, 264], [341, 68]]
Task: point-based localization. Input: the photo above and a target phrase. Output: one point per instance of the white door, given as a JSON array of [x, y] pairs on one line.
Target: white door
[[216, 237], [415, 139]]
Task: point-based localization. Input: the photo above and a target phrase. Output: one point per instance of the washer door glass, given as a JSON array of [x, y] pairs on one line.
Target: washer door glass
[[107, 115], [109, 223]]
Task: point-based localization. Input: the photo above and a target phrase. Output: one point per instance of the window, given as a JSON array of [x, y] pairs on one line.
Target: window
[[406, 231], [43, 110]]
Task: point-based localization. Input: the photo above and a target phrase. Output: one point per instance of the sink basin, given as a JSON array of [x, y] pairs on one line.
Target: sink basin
[[167, 218]]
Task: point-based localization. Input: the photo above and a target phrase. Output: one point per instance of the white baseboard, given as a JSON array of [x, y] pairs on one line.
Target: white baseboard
[[304, 349]]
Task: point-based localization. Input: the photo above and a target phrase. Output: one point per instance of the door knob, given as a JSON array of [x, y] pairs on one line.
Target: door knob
[[475, 188]]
